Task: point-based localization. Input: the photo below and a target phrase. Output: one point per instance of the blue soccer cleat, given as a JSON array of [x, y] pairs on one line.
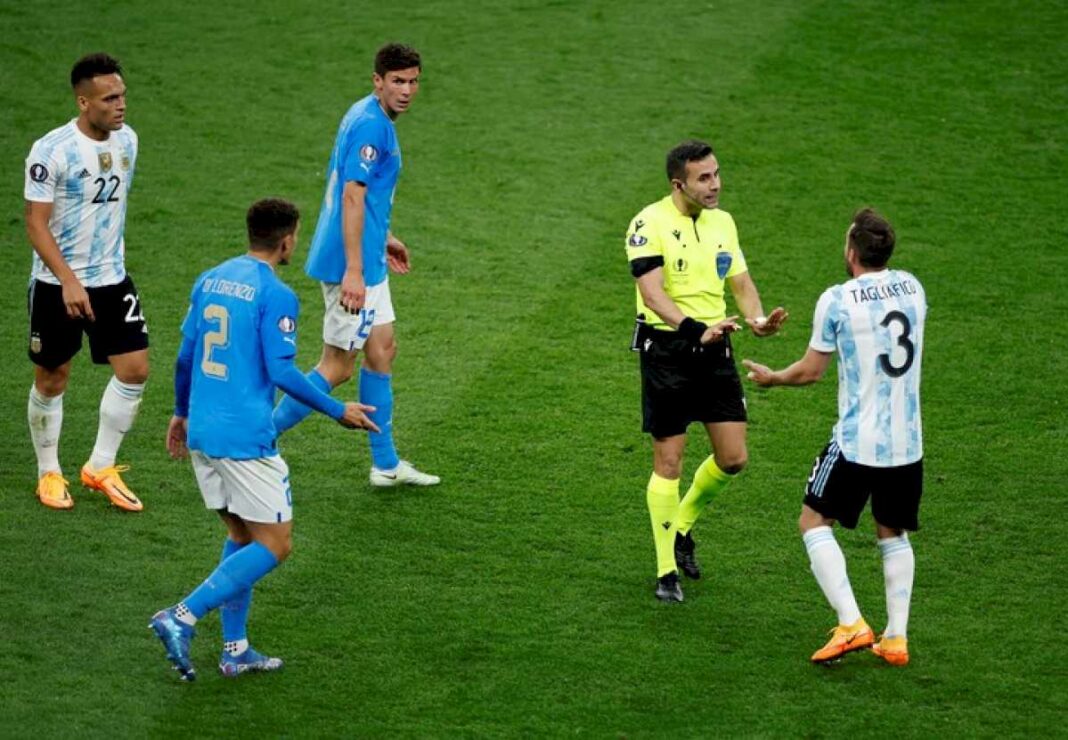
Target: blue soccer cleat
[[249, 661], [175, 636]]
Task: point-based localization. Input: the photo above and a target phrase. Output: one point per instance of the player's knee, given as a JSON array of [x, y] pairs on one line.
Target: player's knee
[[379, 357], [810, 519], [668, 465], [51, 383], [732, 463], [134, 374], [336, 367]]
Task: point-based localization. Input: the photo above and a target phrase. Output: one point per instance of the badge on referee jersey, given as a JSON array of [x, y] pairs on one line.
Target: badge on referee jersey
[[723, 264], [105, 161]]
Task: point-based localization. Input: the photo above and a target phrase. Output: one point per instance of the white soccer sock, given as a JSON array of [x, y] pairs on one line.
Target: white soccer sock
[[118, 409], [899, 567], [829, 567], [46, 420]]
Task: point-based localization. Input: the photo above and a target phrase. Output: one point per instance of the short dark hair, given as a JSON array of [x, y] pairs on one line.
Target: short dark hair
[[94, 65], [393, 56], [269, 221], [693, 150], [872, 237]]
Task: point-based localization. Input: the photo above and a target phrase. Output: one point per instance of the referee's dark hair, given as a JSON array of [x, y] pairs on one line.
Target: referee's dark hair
[[94, 65], [393, 57], [872, 237], [693, 150], [269, 221]]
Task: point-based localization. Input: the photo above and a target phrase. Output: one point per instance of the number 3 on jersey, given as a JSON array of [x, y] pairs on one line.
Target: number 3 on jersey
[[218, 339], [896, 371]]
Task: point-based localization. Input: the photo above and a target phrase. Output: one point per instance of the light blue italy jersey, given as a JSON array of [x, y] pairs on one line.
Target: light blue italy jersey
[[875, 322], [241, 317], [87, 182], [366, 151]]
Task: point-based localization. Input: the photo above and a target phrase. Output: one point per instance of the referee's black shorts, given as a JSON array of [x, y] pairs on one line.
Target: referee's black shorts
[[683, 383]]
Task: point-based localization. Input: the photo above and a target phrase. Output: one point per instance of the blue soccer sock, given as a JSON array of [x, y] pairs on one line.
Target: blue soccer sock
[[376, 390], [233, 613], [235, 574], [290, 412]]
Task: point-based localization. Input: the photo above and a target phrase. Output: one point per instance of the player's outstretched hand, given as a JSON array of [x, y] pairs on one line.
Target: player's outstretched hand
[[355, 417], [177, 432], [766, 326], [716, 332], [353, 291], [397, 258], [76, 299], [759, 374]]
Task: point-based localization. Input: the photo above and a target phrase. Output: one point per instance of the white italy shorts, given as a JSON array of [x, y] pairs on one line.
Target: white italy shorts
[[256, 490], [349, 331]]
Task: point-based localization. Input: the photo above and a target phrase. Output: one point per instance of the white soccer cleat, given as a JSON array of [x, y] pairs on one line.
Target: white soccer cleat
[[404, 474]]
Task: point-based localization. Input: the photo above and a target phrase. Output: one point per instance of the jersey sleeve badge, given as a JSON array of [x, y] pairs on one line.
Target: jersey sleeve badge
[[723, 264]]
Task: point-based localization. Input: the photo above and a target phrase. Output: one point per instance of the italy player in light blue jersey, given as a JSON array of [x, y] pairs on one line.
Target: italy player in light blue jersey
[[78, 180], [875, 324], [351, 254], [238, 344]]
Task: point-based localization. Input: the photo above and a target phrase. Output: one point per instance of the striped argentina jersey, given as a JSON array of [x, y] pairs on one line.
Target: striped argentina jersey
[[875, 322], [87, 182]]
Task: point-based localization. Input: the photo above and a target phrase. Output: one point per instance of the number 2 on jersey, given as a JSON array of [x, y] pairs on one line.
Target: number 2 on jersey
[[219, 339], [896, 371]]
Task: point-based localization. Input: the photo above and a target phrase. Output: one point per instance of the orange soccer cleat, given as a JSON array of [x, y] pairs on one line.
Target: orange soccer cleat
[[894, 650], [109, 482], [845, 638], [52, 491]]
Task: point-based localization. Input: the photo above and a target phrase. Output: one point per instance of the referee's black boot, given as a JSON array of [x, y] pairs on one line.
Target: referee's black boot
[[685, 557], [667, 587]]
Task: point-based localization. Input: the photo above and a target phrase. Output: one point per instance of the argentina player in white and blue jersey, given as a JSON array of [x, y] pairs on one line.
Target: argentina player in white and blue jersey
[[352, 252], [875, 324], [78, 180], [238, 345]]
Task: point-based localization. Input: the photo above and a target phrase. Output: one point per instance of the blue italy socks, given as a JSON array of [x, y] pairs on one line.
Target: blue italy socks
[[289, 412], [233, 613], [236, 574], [376, 390]]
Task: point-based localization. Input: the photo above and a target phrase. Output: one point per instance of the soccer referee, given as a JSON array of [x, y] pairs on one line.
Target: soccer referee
[[682, 250]]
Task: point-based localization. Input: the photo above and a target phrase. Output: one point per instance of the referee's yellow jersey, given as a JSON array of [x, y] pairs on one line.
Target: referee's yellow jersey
[[699, 255]]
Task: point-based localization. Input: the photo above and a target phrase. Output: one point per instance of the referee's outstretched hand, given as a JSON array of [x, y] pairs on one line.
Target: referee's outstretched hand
[[765, 327], [355, 417], [716, 332]]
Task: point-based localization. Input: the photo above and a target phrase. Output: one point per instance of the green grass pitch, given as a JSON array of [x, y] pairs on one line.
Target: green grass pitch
[[516, 599]]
